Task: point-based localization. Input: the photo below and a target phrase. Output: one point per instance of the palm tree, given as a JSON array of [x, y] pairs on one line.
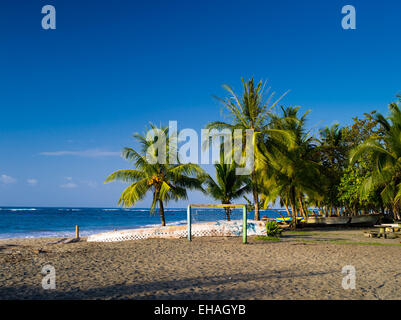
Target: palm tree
[[250, 111], [290, 167], [228, 185], [165, 181], [386, 160], [333, 146], [333, 156]]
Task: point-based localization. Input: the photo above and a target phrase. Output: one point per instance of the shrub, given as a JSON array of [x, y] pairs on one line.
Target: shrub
[[273, 229]]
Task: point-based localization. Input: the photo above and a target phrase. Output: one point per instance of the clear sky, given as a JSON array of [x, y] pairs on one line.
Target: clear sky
[[71, 98]]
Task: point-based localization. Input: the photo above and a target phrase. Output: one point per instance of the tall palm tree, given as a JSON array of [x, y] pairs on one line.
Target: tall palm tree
[[333, 156], [250, 111], [333, 146], [228, 185], [290, 168], [164, 180], [386, 159]]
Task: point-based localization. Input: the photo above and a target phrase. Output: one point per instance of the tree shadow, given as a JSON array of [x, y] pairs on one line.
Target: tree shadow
[[208, 287]]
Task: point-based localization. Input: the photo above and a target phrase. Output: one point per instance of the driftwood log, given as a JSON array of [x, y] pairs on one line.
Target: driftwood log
[[64, 241], [71, 240]]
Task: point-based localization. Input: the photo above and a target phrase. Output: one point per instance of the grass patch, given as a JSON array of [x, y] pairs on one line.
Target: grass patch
[[372, 243], [353, 242], [267, 238], [304, 233]]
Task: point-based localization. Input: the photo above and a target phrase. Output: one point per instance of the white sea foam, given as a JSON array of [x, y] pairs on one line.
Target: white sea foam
[[52, 234]]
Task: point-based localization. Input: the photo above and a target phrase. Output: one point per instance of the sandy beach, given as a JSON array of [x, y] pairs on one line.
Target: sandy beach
[[304, 265]]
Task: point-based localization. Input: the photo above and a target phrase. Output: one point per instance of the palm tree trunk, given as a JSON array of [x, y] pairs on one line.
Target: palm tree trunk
[[294, 214], [305, 207], [396, 215], [256, 202], [286, 208], [293, 208], [163, 221], [301, 208], [227, 210]]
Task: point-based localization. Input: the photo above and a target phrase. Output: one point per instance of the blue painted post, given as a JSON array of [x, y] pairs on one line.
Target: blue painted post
[[189, 222]]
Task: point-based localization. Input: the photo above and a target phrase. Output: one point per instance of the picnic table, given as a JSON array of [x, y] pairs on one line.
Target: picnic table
[[386, 230]]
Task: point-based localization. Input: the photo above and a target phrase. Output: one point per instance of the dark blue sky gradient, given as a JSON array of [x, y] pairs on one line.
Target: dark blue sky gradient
[[111, 67]]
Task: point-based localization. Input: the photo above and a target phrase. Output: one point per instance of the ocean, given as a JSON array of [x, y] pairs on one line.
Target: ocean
[[60, 222]]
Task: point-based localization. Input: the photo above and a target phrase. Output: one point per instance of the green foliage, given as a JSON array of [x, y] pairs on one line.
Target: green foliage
[[288, 164], [333, 157], [351, 177], [273, 229], [362, 129], [350, 187], [250, 205], [228, 185], [385, 152], [250, 110], [356, 167], [164, 180]]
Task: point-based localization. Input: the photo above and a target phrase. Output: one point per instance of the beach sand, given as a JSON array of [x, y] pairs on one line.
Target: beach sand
[[304, 265]]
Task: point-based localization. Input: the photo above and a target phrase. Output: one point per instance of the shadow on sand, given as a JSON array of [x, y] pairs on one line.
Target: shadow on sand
[[214, 287]]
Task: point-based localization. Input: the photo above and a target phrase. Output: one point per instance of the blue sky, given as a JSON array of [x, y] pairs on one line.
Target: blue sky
[[71, 98]]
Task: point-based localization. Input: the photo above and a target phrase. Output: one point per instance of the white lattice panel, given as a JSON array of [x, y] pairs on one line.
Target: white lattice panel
[[209, 229]]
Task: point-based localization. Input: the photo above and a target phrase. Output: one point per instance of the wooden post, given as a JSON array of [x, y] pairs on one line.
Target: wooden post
[[76, 231]]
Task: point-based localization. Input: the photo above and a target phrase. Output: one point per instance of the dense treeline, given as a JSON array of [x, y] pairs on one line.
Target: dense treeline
[[350, 170]]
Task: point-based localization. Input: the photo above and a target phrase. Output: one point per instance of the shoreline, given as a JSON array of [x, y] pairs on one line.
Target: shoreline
[[49, 223], [354, 235]]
